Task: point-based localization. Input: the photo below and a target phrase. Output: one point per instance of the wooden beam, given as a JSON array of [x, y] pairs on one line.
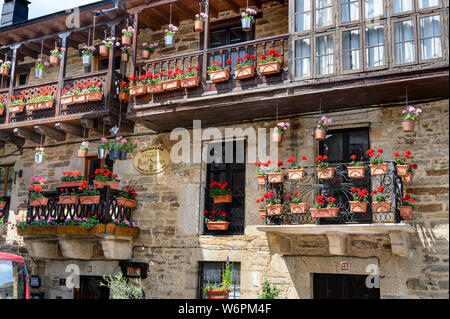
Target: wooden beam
[[185, 11], [213, 11], [139, 9], [164, 18], [257, 3], [72, 129], [126, 125], [29, 135], [149, 22], [232, 5], [50, 132], [16, 140], [95, 125]]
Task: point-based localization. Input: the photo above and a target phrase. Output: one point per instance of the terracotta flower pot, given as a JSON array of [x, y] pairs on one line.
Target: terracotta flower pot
[[138, 90], [86, 200], [406, 212], [296, 174], [39, 201], [171, 85], [275, 177], [71, 184], [66, 100], [79, 98], [325, 173], [4, 71], [408, 126], [270, 68], [155, 88], [277, 137], [125, 57], [261, 180], [123, 96], [36, 230], [54, 60], [68, 200], [82, 153], [104, 50], [145, 54], [356, 171], [125, 202], [102, 184], [14, 109], [30, 107], [381, 207], [274, 210], [2, 110], [122, 231], [408, 179], [190, 82], [199, 26], [262, 213], [245, 72], [219, 199], [126, 40], [217, 225], [402, 170], [219, 76], [300, 208], [2, 204], [217, 294], [324, 212], [379, 169], [320, 134], [45, 105], [94, 96], [358, 207]]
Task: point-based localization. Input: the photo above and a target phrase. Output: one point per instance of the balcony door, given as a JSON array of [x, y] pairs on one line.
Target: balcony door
[[331, 286]]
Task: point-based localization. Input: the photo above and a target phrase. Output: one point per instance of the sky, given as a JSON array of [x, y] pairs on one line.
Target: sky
[[39, 8]]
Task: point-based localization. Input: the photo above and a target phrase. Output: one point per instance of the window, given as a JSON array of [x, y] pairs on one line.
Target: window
[[103, 63], [375, 46], [93, 163], [404, 41], [338, 286], [302, 15], [430, 37], [6, 178], [424, 4], [373, 8], [303, 58], [349, 10], [324, 13], [400, 6], [211, 272], [324, 55], [351, 50], [234, 174]]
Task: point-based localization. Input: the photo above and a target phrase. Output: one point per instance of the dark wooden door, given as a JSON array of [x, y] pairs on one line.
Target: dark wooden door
[[331, 286], [90, 289]]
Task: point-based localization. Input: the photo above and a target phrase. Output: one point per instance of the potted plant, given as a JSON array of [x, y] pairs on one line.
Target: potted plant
[[169, 35], [406, 207], [275, 174], [87, 195], [324, 171], [5, 67], [137, 86], [408, 179], [126, 52], [279, 131], [36, 198], [68, 197], [401, 165], [380, 203], [154, 83], [42, 101], [124, 94], [102, 148], [106, 46], [360, 200], [247, 19], [320, 132], [106, 177], [84, 148], [296, 171], [200, 19], [173, 80], [56, 55], [37, 226], [273, 204], [67, 95], [16, 104], [39, 155], [80, 227], [220, 193], [114, 148], [297, 205], [41, 67], [261, 172], [148, 49], [127, 36], [216, 220], [222, 290], [127, 197], [190, 79], [126, 147], [2, 105], [217, 72], [411, 115], [377, 166], [244, 67], [356, 169], [72, 179], [270, 65], [87, 54], [325, 207], [2, 204], [268, 292], [262, 207], [122, 228], [92, 91]]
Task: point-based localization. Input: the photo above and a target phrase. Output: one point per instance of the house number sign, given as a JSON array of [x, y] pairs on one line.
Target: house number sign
[[151, 159]]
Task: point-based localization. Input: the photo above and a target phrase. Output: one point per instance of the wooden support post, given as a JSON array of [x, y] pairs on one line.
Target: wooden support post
[[72, 129], [205, 45], [13, 76], [29, 135], [95, 125], [135, 37], [109, 88], [51, 132], [62, 71]]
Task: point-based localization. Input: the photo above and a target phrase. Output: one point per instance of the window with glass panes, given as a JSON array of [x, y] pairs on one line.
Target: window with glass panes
[[324, 55], [351, 50], [373, 8], [374, 46], [211, 272], [303, 58], [324, 13], [349, 10], [404, 41], [424, 4], [302, 15], [430, 37], [399, 6]]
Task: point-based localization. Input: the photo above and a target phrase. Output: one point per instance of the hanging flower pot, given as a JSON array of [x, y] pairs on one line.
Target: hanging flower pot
[[82, 153], [39, 157], [261, 180], [217, 225], [155, 88], [325, 173], [277, 137], [126, 40], [171, 85], [103, 50], [356, 171], [199, 26], [245, 72], [219, 76], [406, 212], [39, 73], [38, 201], [54, 60], [125, 57], [87, 60], [190, 82], [408, 179], [145, 54], [114, 153], [125, 202], [169, 40], [296, 174], [274, 210], [358, 207], [262, 213], [300, 208], [246, 24], [275, 178], [122, 155], [381, 207], [408, 126], [4, 70], [123, 96], [320, 134], [87, 200], [379, 169], [101, 153], [68, 200], [402, 170]]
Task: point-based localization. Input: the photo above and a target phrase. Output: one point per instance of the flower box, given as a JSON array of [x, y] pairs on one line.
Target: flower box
[[408, 179], [262, 213], [68, 200], [408, 126], [274, 210], [79, 98], [356, 171], [190, 82], [71, 184], [402, 170], [66, 100], [123, 96], [261, 180], [70, 230], [171, 85], [36, 230], [324, 212], [379, 169], [45, 105], [219, 199], [18, 108], [270, 68], [30, 107], [275, 177], [406, 212], [138, 90], [300, 208], [219, 76], [122, 231], [296, 174], [87, 200], [245, 72], [217, 294], [94, 96], [381, 207], [39, 201], [217, 225], [125, 202], [358, 207], [155, 88], [325, 173]]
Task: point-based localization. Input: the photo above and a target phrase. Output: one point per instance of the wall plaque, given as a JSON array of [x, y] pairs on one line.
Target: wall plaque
[[151, 159]]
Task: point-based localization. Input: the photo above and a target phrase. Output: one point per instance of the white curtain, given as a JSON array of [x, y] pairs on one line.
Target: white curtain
[[428, 3], [375, 40], [303, 58], [324, 13], [430, 28], [324, 47], [351, 44], [349, 10], [373, 8], [403, 31], [402, 5], [303, 19]]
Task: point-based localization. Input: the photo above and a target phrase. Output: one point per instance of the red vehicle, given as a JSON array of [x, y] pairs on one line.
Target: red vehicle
[[13, 277]]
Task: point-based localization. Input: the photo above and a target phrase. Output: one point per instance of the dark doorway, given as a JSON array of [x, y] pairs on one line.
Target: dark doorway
[[90, 289], [329, 286]]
